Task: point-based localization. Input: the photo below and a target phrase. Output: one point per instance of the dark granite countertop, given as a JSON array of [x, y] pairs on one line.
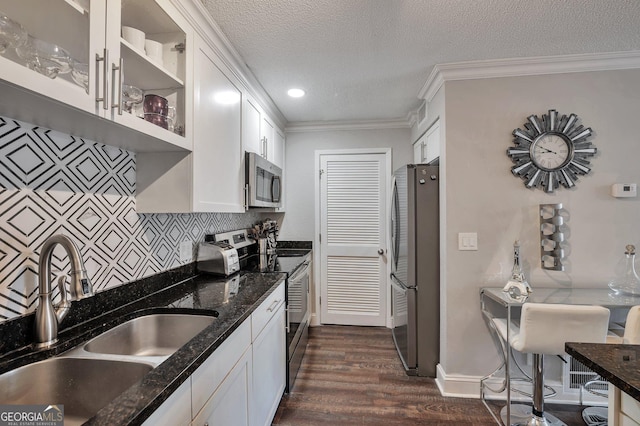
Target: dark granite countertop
[[308, 245], [200, 294], [617, 364]]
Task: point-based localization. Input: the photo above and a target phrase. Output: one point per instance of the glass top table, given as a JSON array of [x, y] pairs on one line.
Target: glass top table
[[569, 296], [496, 303]]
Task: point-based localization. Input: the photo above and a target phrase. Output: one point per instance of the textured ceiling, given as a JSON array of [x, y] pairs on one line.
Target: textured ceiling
[[367, 59]]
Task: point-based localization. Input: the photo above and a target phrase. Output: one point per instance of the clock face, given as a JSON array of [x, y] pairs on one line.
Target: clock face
[[550, 151]]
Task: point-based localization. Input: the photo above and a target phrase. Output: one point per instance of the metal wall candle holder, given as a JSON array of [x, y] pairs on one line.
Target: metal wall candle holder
[[551, 237]]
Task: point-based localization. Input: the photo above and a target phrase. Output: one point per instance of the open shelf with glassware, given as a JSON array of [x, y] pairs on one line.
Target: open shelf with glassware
[[157, 65]]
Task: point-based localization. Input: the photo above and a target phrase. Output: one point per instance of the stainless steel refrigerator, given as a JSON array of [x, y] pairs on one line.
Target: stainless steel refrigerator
[[415, 267]]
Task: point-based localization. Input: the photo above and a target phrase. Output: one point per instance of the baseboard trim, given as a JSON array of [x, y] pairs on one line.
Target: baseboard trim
[[462, 386], [314, 321], [458, 386]]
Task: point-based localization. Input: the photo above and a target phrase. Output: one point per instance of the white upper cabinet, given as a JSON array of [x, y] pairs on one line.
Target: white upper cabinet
[[260, 135], [419, 148], [266, 137], [211, 178], [251, 126], [427, 148], [432, 150], [218, 156], [277, 149], [89, 78]]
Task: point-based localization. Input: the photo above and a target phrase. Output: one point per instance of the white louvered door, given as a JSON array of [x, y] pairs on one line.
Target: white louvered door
[[353, 194]]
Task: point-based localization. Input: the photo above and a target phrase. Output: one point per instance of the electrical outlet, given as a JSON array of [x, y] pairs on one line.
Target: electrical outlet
[[186, 251]]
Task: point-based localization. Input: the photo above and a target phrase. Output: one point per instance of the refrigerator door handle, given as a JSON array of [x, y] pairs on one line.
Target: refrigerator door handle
[[397, 284], [394, 224]]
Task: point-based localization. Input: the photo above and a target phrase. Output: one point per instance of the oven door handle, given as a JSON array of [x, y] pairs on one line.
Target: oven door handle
[[286, 314], [397, 284], [301, 272]]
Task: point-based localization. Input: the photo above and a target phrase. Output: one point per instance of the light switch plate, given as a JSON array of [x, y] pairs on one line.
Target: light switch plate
[[467, 241], [185, 251]]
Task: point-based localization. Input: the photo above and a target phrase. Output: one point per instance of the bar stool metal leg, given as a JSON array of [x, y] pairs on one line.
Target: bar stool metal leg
[[537, 413], [538, 416]]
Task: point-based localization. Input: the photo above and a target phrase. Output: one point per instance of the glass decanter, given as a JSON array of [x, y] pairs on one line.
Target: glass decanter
[[628, 282]]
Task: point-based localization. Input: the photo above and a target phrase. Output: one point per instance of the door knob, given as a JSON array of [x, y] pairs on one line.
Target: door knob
[[380, 251]]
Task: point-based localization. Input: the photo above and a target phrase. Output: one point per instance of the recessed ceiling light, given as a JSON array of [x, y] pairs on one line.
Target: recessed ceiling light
[[296, 93]]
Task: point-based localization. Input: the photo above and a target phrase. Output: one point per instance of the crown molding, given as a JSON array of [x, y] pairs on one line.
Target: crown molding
[[323, 126], [201, 20], [516, 67]]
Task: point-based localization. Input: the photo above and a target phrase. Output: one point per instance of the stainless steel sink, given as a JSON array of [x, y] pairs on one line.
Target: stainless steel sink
[[151, 335], [83, 386]]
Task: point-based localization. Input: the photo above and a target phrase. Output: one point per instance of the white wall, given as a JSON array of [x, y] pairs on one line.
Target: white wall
[[298, 221], [483, 196]]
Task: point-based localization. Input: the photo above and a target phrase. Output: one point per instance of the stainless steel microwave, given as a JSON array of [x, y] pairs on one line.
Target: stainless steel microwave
[[263, 182]]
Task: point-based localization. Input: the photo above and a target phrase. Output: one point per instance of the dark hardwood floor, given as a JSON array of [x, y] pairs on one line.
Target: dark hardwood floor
[[353, 376]]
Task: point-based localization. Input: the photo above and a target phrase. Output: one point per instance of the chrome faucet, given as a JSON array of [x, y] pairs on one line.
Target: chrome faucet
[[49, 316]]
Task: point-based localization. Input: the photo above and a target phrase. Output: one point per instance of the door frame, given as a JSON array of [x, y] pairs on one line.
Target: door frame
[[316, 319]]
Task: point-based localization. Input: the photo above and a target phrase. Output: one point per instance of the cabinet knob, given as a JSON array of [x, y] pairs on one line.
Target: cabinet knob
[[380, 251]]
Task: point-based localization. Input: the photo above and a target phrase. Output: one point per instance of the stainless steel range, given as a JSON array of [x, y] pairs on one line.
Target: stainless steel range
[[296, 263]]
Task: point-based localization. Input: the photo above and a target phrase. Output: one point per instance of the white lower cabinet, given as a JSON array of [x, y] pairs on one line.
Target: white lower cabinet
[[242, 382], [213, 372], [229, 404], [176, 410], [269, 369], [624, 410]]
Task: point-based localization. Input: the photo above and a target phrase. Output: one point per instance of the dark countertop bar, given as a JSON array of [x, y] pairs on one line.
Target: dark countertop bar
[[617, 364], [200, 294]]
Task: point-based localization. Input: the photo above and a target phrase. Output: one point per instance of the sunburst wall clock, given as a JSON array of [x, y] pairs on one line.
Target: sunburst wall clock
[[551, 151]]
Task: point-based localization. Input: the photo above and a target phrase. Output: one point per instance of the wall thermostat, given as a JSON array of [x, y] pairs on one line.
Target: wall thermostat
[[623, 190]]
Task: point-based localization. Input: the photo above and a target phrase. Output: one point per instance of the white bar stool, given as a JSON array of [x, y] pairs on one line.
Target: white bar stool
[[544, 329]]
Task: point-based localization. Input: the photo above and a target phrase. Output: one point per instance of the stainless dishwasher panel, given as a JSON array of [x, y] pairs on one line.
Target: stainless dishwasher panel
[[298, 315]]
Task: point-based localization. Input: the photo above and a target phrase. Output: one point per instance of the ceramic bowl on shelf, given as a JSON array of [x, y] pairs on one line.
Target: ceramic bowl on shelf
[[12, 34], [153, 50], [44, 57], [134, 36]]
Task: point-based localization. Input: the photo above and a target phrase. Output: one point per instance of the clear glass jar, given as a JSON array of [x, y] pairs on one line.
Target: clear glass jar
[[628, 281]]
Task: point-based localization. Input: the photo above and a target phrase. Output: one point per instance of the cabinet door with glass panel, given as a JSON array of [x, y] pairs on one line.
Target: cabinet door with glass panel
[[50, 48], [74, 52]]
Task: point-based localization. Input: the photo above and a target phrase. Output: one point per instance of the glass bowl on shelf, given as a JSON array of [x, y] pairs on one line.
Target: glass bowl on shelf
[[80, 74], [44, 57], [131, 96], [12, 34]]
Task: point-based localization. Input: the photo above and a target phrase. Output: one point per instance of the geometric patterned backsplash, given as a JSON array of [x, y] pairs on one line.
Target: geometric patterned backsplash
[[52, 183]]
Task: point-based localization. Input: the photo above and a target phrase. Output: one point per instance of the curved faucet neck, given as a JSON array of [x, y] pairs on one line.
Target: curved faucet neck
[[48, 316], [80, 283]]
